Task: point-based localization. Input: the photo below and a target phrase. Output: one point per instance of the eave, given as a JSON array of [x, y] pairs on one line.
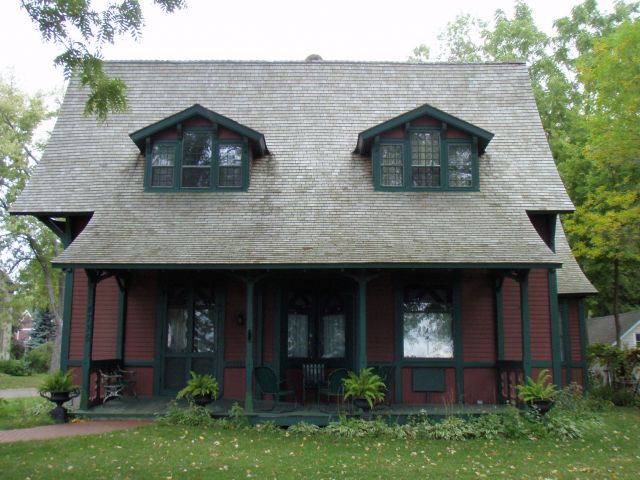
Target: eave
[[256, 139], [365, 138]]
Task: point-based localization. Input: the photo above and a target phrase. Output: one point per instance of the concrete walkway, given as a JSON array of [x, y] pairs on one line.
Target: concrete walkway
[[67, 430], [19, 392]]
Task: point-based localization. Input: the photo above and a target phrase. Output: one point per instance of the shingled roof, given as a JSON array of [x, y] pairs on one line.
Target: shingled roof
[[312, 200], [571, 278]]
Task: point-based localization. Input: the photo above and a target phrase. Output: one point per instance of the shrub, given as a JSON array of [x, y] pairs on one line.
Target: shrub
[[192, 416], [39, 358], [17, 349], [365, 384], [268, 427], [303, 428], [356, 428], [487, 426], [200, 386], [17, 368]]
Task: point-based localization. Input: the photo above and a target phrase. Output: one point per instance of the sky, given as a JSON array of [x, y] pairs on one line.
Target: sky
[[262, 30]]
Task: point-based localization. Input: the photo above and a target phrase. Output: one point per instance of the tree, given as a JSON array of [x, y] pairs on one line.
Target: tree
[[460, 41], [82, 31], [43, 330], [27, 245]]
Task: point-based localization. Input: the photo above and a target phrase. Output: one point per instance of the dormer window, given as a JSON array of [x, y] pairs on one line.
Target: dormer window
[[424, 149], [198, 150]]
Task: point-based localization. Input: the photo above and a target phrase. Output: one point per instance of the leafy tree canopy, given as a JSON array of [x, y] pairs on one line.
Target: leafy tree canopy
[[82, 31]]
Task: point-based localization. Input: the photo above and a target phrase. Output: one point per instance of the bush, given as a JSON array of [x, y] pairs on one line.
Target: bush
[[192, 416], [303, 428], [17, 368], [39, 358], [17, 349], [613, 395]]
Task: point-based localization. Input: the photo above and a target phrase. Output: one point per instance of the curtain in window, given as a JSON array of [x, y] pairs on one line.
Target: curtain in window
[[298, 336], [333, 336], [177, 329]]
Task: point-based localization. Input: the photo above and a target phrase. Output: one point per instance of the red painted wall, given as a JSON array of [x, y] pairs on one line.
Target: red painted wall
[[78, 315], [140, 327], [574, 330], [540, 324], [478, 315], [480, 384], [380, 321], [144, 380], [234, 383], [234, 334], [411, 397], [512, 326]]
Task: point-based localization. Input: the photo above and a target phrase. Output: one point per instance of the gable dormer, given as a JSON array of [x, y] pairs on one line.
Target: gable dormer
[[198, 150], [424, 149]]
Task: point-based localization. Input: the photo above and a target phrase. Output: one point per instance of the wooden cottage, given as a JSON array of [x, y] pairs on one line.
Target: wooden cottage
[[347, 214]]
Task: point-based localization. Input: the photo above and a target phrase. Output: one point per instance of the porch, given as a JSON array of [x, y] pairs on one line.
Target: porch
[[284, 414]]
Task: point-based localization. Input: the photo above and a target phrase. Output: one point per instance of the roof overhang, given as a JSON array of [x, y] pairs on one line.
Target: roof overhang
[[365, 138], [256, 139]]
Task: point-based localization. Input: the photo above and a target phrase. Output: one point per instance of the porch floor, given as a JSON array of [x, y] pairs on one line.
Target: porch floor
[[284, 414]]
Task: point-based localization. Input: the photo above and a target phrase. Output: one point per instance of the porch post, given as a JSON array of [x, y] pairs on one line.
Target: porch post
[[523, 277], [248, 363], [122, 316], [362, 324], [458, 340], [92, 278], [66, 319]]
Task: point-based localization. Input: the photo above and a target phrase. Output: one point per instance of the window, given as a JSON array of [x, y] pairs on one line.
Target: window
[[427, 322], [316, 327], [637, 339], [424, 160], [198, 161]]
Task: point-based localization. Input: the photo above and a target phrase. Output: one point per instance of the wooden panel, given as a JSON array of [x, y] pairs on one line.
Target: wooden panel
[[576, 376], [512, 326], [540, 323], [105, 327], [144, 380], [478, 317], [140, 328], [234, 334], [574, 330], [78, 315], [380, 320], [411, 397], [480, 384], [234, 383], [428, 380]]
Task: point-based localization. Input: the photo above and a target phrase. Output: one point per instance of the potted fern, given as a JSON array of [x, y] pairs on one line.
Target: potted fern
[[538, 393], [202, 389], [59, 389], [365, 388]]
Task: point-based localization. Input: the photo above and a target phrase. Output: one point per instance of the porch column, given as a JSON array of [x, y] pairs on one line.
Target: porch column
[[92, 277], [66, 319], [248, 363], [361, 346], [122, 315], [523, 278], [458, 339]]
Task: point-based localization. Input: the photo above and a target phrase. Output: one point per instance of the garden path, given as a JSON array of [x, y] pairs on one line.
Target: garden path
[[19, 392], [67, 430]]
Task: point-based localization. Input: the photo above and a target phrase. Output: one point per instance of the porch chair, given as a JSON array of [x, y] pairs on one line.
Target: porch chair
[[112, 383], [312, 378], [268, 384], [334, 387]]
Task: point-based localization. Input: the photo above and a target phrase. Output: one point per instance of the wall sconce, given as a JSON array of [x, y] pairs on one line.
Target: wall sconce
[[240, 319]]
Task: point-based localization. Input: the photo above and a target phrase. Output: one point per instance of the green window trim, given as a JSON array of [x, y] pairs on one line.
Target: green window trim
[[407, 167], [240, 181]]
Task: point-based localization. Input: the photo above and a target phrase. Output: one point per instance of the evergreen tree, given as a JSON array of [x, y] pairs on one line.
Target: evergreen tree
[[43, 329]]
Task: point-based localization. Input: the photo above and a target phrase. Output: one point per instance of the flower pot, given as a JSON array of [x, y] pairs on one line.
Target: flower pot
[[59, 413], [542, 406], [362, 404], [202, 400]]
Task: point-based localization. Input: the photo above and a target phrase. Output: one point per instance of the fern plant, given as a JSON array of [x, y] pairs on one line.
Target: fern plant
[[200, 386], [58, 382], [540, 389], [366, 385]]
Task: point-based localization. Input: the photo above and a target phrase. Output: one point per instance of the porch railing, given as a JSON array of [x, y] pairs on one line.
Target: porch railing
[[510, 374]]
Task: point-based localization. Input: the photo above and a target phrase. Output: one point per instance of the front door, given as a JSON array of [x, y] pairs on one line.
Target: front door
[[191, 340]]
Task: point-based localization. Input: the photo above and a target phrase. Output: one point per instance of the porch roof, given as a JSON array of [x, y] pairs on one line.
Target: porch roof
[[311, 201]]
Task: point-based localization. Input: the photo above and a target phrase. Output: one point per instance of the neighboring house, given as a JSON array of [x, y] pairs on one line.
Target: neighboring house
[[344, 213], [25, 326], [603, 329]]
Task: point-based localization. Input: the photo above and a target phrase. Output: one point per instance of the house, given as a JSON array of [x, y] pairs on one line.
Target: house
[[603, 329], [25, 326], [343, 213]]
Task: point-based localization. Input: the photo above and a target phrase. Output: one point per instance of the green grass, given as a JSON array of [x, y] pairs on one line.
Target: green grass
[[31, 381], [24, 412], [610, 451]]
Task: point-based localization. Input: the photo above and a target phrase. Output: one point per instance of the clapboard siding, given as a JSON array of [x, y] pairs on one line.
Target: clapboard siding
[[478, 317], [140, 328]]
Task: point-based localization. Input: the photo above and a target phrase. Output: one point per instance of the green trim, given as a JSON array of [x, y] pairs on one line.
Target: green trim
[[399, 340], [259, 328], [542, 364], [139, 136], [277, 329], [158, 370], [365, 137], [499, 311], [361, 345], [88, 340], [458, 336], [582, 326], [66, 319], [303, 266], [248, 371], [554, 318], [523, 278], [566, 340], [122, 316]]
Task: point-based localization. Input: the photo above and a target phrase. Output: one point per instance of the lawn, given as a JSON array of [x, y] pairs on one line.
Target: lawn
[[24, 412], [30, 381], [170, 452]]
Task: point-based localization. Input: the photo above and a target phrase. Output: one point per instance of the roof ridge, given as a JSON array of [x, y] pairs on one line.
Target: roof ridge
[[303, 62]]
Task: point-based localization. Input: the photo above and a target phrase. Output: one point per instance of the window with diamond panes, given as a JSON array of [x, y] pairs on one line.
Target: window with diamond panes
[[163, 158], [230, 165], [197, 149], [425, 159], [460, 166], [391, 165]]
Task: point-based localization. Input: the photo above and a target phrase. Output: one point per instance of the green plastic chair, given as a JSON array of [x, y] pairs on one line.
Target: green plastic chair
[[334, 387], [268, 384]]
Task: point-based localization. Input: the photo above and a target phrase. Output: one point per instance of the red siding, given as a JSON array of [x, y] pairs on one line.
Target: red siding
[[395, 133], [269, 313], [540, 324], [105, 324], [228, 134], [409, 396], [574, 330], [576, 376], [380, 321], [478, 314], [455, 133], [140, 330], [480, 384], [425, 122], [234, 383], [144, 380], [234, 344], [512, 326], [78, 315]]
